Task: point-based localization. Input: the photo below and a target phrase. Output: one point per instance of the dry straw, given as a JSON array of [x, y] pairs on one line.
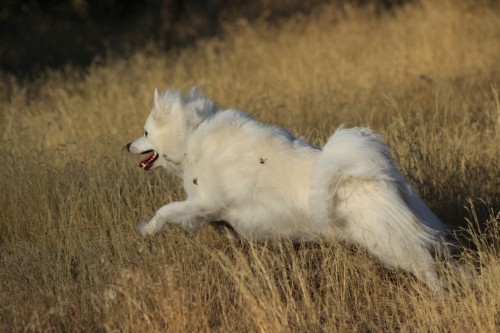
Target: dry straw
[[426, 76]]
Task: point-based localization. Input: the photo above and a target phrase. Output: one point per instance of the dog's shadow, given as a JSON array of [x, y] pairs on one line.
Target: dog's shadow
[[224, 228]]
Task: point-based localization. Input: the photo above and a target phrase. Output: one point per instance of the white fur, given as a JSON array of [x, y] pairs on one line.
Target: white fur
[[268, 184]]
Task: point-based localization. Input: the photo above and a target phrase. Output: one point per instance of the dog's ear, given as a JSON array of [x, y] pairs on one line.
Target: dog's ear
[[157, 112], [157, 99]]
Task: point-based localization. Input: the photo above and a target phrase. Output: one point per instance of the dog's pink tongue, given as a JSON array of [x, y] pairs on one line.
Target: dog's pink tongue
[[147, 160]]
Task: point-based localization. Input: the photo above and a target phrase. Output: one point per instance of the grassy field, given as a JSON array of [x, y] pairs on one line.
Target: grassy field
[[426, 76]]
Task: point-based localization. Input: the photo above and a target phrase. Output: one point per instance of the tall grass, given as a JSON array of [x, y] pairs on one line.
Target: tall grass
[[426, 76]]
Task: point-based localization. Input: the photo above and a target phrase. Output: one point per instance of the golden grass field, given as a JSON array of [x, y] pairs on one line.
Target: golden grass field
[[426, 76]]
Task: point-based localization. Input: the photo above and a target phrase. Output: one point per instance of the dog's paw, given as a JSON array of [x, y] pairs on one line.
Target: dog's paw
[[144, 229]]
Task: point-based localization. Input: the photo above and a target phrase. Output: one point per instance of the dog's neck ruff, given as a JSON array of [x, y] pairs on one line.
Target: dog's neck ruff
[[198, 125], [174, 160]]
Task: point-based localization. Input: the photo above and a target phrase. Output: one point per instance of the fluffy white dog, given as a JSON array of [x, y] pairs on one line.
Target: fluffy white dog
[[267, 184]]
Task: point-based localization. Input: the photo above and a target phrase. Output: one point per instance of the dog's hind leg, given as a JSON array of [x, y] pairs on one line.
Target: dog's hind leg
[[191, 214], [375, 217]]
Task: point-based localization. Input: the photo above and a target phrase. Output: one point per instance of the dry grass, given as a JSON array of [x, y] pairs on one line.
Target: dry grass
[[427, 77]]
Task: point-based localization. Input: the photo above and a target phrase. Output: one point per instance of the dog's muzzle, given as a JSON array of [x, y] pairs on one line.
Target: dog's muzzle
[[148, 162]]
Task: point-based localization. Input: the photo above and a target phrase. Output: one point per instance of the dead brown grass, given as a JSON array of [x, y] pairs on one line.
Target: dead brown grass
[[426, 77]]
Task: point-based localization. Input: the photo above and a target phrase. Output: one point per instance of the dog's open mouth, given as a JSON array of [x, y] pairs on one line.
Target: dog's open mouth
[[148, 162]]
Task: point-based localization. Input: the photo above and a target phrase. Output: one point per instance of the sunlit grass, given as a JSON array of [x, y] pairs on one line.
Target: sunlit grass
[[425, 76]]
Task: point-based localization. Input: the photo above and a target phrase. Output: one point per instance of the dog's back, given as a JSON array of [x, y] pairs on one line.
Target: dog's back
[[260, 174]]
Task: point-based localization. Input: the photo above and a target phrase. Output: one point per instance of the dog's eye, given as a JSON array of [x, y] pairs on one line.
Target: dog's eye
[[146, 133]]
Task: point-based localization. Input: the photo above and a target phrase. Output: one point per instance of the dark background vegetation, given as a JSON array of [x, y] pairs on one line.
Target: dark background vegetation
[[40, 34]]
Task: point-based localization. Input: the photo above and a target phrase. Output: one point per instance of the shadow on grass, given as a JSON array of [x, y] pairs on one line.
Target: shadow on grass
[[38, 35]]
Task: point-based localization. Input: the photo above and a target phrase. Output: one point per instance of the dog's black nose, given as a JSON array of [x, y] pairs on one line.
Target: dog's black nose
[[128, 146]]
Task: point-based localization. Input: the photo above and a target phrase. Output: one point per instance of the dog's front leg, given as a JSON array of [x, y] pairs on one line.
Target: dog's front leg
[[190, 214]]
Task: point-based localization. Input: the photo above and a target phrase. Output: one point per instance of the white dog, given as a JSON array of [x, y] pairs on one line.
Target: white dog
[[268, 184]]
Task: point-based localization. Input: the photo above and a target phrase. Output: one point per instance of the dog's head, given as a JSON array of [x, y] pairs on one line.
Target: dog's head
[[173, 118]]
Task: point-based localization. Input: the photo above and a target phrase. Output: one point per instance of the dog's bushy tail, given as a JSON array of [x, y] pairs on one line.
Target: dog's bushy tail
[[357, 194]]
